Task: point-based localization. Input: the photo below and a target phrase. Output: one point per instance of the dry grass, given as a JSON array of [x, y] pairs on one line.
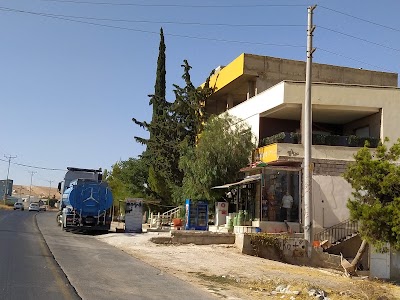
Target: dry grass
[[6, 207], [363, 289]]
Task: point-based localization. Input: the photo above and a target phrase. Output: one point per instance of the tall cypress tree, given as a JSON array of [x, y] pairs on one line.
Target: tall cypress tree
[[171, 124], [154, 155]]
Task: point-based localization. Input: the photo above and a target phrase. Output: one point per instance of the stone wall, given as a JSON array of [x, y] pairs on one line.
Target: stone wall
[[329, 167], [292, 250], [196, 237]]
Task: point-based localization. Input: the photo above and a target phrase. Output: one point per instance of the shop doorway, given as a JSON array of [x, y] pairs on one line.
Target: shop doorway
[[281, 194]]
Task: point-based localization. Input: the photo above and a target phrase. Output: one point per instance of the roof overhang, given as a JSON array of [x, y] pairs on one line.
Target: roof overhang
[[332, 114], [248, 179]]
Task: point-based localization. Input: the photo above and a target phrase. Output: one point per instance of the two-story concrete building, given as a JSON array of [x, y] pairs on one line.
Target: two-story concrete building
[[348, 106]]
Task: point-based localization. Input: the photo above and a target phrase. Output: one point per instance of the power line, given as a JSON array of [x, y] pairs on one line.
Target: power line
[[355, 59], [174, 5], [66, 17], [61, 17], [360, 19], [360, 39], [147, 31], [162, 22], [34, 167]]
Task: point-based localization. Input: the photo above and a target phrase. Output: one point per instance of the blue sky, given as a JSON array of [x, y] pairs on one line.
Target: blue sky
[[69, 89]]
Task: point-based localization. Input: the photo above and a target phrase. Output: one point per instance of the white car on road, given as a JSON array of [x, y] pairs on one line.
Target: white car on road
[[34, 207], [18, 205]]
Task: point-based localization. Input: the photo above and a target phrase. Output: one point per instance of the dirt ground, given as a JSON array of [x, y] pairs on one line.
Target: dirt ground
[[229, 274], [36, 191]]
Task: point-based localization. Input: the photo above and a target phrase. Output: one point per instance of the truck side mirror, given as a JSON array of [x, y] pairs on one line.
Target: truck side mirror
[[59, 187]]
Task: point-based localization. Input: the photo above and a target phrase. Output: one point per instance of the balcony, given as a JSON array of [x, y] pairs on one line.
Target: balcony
[[285, 147], [321, 139]]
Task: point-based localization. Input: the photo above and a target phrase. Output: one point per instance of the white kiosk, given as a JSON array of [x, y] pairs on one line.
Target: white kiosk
[[133, 215]]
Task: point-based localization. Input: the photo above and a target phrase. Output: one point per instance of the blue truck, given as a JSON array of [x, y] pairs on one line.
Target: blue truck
[[86, 201]]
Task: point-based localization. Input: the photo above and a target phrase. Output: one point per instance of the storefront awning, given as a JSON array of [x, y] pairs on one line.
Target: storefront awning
[[243, 181]]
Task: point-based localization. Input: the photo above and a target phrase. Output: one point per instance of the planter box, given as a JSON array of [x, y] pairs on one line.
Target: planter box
[[318, 139], [336, 140], [373, 142], [282, 137], [355, 141]]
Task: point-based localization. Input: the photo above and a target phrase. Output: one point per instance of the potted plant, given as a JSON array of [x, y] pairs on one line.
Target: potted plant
[[295, 137], [353, 141], [318, 139], [336, 140], [266, 141], [279, 137], [332, 140], [373, 142]]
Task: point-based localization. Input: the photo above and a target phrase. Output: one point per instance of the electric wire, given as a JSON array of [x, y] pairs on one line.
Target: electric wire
[[201, 24], [68, 18], [360, 39], [360, 19], [224, 6], [355, 59], [33, 167], [201, 38], [168, 22], [208, 24], [175, 5], [147, 31]]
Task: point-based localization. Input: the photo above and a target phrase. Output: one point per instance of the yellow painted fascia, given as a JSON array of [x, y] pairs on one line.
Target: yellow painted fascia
[[267, 153], [228, 74]]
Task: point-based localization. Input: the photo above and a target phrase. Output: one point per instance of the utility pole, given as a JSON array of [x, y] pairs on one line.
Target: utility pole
[[307, 134], [8, 172], [48, 199], [30, 188]]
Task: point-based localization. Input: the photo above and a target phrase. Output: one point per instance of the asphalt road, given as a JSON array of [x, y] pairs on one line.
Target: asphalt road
[[27, 267], [100, 271]]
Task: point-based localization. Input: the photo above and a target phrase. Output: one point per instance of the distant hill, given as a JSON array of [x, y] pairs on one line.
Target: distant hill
[[37, 191]]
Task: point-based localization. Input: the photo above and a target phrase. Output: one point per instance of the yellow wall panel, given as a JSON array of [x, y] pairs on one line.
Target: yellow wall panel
[[228, 74], [267, 153]]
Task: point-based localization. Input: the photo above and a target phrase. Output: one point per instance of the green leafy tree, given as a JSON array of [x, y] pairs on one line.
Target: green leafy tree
[[188, 117], [171, 124], [119, 188], [375, 178], [224, 146]]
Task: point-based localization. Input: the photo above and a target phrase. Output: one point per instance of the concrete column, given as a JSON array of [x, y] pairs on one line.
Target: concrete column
[[260, 84], [251, 89], [229, 102]]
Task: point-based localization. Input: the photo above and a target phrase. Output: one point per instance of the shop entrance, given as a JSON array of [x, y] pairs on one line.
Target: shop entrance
[[281, 194]]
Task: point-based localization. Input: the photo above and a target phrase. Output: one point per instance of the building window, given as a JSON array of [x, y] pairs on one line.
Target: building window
[[363, 131]]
